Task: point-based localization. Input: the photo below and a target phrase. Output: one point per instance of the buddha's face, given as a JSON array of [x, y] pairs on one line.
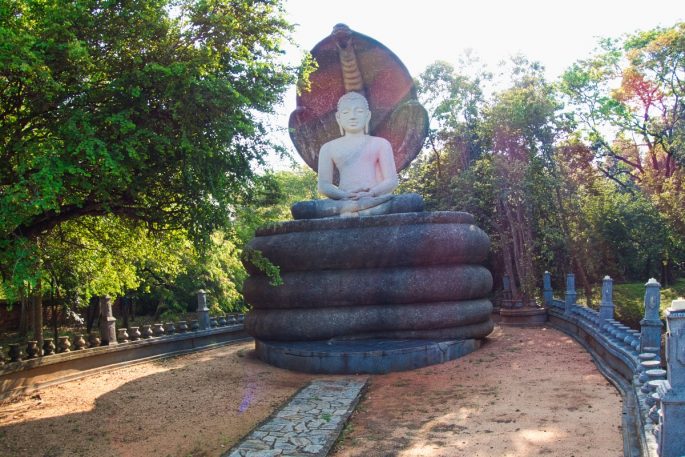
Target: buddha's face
[[353, 115]]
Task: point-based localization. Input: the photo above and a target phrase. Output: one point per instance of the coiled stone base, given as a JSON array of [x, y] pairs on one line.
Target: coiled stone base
[[409, 276]]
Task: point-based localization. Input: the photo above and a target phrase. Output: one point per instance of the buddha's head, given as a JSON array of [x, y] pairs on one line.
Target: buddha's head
[[353, 113]]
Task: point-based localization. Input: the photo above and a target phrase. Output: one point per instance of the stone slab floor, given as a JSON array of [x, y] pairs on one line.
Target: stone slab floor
[[527, 392]]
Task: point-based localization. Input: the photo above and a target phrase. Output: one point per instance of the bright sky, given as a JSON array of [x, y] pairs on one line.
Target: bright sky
[[419, 33]]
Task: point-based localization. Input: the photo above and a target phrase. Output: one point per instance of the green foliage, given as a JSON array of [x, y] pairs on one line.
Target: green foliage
[[107, 255], [627, 232], [626, 100], [276, 193], [150, 110], [257, 259], [216, 269], [631, 89], [538, 182], [454, 100], [629, 300]]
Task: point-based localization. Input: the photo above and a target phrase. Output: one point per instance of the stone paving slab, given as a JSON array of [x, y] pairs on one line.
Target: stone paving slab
[[308, 425]]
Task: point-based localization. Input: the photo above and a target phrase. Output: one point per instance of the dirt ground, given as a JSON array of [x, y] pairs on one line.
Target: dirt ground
[[527, 392]]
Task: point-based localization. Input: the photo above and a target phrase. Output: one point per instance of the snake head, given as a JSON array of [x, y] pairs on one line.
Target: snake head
[[341, 33]]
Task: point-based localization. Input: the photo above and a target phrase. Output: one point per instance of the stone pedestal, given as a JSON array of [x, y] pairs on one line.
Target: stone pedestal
[[408, 275], [108, 323], [399, 276], [650, 334], [672, 392], [368, 356], [525, 316]]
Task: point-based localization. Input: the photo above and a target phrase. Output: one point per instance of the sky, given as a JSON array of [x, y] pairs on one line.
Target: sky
[[421, 32]]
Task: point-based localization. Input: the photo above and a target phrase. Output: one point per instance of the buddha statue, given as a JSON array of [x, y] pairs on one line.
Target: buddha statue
[[355, 273], [366, 168]]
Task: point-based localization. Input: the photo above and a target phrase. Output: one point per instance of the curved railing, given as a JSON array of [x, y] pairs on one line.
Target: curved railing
[[25, 372], [653, 392]]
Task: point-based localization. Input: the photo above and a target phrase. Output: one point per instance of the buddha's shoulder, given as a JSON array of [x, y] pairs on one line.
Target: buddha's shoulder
[[331, 146], [379, 141], [343, 144]]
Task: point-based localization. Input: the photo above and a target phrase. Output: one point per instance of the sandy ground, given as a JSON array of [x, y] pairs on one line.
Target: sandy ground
[[527, 392]]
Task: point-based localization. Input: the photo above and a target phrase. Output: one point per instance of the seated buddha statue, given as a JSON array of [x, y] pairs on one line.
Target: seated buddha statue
[[366, 167]]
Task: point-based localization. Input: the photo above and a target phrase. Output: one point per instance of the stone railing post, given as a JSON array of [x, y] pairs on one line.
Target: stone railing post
[[672, 415], [570, 293], [606, 308], [650, 334], [108, 323], [547, 293], [202, 310]]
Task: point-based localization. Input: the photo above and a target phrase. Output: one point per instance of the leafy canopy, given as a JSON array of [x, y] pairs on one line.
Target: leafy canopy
[[146, 109]]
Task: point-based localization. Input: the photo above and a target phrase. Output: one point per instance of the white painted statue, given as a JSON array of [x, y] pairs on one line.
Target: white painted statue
[[366, 166], [365, 163]]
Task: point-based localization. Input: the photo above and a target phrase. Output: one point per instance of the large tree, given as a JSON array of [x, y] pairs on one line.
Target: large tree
[[629, 100], [148, 109]]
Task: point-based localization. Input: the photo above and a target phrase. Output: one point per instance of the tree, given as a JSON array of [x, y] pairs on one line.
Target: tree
[[146, 109], [454, 99], [521, 126], [628, 98], [494, 156], [635, 85]]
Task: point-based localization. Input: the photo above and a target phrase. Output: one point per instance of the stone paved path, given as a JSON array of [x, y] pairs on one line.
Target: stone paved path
[[308, 425]]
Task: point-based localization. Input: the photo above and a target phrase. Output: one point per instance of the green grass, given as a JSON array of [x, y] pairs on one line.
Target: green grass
[[629, 300]]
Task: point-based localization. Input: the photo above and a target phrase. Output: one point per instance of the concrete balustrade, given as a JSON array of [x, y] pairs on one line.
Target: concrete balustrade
[[651, 324], [570, 300], [670, 393], [654, 391], [17, 351], [25, 365], [22, 368]]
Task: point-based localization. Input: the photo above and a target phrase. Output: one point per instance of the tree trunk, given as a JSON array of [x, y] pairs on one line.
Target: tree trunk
[[24, 315], [54, 312], [37, 300], [517, 257], [509, 268], [123, 309], [507, 257], [92, 313], [525, 243], [665, 273], [30, 314], [584, 281]]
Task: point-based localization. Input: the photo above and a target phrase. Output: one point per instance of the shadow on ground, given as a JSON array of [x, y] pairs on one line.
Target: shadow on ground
[[193, 405]]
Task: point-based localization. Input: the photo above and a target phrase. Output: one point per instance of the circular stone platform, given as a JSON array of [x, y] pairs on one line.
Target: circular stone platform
[[525, 316], [369, 356]]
